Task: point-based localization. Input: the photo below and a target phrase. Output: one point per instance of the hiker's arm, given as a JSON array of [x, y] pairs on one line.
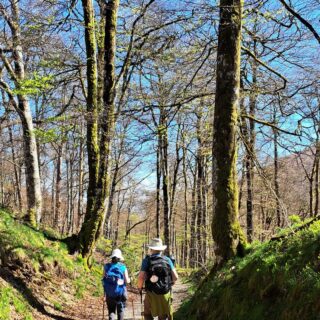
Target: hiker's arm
[[126, 277], [174, 275], [141, 278]]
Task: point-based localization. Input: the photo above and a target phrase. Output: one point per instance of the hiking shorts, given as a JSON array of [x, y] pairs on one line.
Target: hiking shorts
[[158, 305]]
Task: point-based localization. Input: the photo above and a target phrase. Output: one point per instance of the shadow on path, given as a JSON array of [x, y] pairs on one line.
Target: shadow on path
[[19, 285]]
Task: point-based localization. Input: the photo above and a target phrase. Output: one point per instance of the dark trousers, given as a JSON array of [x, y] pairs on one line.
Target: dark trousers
[[115, 307]]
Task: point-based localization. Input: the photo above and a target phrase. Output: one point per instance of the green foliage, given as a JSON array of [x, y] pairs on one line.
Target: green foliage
[[133, 254], [48, 135], [104, 245], [9, 298], [31, 246], [57, 306], [36, 84], [275, 280], [89, 281], [47, 260], [294, 219], [53, 134]]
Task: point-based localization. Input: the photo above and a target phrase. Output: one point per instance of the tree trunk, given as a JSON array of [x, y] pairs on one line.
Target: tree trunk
[[316, 208], [92, 108], [111, 195], [242, 179], [185, 250], [1, 184], [276, 178], [128, 223], [85, 238], [15, 167], [225, 226], [165, 178], [57, 217], [98, 172], [53, 197], [249, 176], [251, 153], [200, 173], [80, 182], [34, 197], [174, 187], [193, 235], [120, 204], [116, 232], [70, 219], [115, 177], [158, 189], [204, 193]]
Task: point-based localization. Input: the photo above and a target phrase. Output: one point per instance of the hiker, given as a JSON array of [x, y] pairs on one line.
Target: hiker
[[115, 279], [159, 274]]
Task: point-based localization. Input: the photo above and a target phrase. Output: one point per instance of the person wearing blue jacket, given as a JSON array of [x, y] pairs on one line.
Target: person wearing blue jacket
[[115, 279]]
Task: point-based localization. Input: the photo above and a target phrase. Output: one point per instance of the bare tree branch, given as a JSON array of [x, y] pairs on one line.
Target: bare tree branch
[[269, 124], [302, 20], [251, 54]]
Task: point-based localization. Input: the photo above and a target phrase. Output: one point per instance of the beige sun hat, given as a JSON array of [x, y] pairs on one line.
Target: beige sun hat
[[156, 244], [116, 253]]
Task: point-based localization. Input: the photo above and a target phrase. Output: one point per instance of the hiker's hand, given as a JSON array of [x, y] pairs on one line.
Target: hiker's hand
[[133, 289]]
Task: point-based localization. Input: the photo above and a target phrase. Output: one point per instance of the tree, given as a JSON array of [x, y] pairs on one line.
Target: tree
[[98, 149], [225, 225], [20, 102]]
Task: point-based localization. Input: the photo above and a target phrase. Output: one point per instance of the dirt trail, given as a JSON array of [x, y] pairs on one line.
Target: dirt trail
[[91, 308]]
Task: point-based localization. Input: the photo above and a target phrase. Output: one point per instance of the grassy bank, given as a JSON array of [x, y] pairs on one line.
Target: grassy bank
[[276, 280], [38, 272]]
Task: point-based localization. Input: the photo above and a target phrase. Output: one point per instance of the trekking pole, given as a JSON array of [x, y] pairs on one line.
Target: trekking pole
[[103, 307], [134, 316], [142, 307], [171, 305]]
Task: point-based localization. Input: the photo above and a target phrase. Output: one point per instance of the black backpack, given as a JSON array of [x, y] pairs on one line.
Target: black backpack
[[159, 279]]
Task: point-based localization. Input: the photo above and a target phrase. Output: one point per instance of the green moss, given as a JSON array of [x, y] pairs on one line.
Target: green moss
[[58, 306], [46, 259], [12, 301], [31, 245], [275, 280]]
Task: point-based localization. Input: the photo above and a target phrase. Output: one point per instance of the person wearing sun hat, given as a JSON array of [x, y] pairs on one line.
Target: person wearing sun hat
[[158, 274], [115, 279]]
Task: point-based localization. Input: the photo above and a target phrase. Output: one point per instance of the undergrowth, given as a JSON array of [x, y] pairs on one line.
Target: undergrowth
[[9, 299], [276, 280], [46, 261]]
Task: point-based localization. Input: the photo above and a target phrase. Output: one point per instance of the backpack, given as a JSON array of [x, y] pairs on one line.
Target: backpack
[[159, 279], [113, 281]]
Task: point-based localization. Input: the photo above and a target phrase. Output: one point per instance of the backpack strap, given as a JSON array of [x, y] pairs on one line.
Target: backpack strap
[[147, 257], [106, 269]]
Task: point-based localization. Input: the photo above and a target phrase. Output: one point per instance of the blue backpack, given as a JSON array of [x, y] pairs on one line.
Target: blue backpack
[[113, 281]]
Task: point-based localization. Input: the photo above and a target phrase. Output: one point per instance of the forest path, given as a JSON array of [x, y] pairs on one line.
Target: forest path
[[91, 308]]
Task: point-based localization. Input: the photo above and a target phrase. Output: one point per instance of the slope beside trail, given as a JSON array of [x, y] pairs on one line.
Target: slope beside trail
[[91, 308], [39, 280], [277, 279]]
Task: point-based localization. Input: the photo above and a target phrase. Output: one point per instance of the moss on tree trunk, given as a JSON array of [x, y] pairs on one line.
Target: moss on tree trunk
[[225, 226], [98, 151]]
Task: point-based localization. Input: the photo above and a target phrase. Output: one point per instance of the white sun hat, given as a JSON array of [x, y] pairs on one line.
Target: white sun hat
[[156, 244], [116, 253]]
